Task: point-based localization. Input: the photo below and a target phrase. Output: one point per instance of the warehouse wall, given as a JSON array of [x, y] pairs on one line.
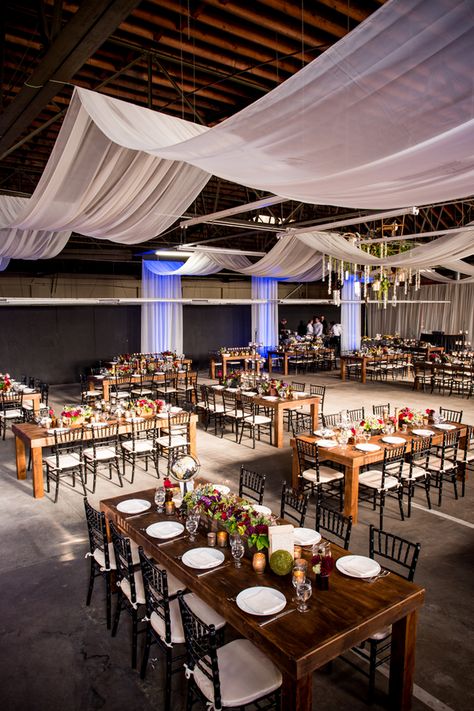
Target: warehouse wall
[[207, 328]]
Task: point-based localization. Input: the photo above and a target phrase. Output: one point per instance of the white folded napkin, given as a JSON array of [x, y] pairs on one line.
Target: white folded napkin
[[304, 536], [201, 557], [361, 566], [263, 601]]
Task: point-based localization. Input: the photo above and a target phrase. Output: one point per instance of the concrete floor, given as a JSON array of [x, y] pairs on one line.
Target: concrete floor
[[56, 654]]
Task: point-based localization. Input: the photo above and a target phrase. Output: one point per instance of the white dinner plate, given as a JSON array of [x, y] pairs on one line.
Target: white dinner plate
[[203, 558], [367, 447], [232, 390], [324, 433], [261, 600], [59, 430], [97, 424], [423, 433], [442, 426], [165, 529], [270, 398], [393, 440], [222, 489], [137, 419], [249, 393], [260, 508], [298, 393], [326, 443], [306, 536], [133, 506], [218, 387], [176, 409], [358, 566], [99, 377], [28, 391]]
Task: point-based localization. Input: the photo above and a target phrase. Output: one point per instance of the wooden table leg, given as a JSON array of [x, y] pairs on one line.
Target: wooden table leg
[[402, 662], [20, 453], [363, 371], [192, 439], [224, 366], [297, 694], [106, 389], [315, 415], [213, 369], [278, 427], [295, 468], [37, 471], [269, 363], [351, 492], [285, 363], [343, 369]]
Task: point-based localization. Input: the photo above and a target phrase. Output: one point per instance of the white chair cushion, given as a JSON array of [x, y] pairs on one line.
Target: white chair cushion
[[236, 414], [139, 589], [436, 465], [120, 394], [176, 441], [258, 419], [416, 472], [216, 408], [99, 556], [326, 474], [382, 634], [144, 391], [10, 414], [373, 479], [245, 674], [465, 456], [29, 406], [91, 393], [66, 461], [198, 606], [138, 445], [101, 454]]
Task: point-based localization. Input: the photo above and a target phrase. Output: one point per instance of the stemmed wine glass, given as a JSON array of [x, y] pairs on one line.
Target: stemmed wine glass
[[160, 497], [367, 434], [192, 523], [303, 593], [237, 550]]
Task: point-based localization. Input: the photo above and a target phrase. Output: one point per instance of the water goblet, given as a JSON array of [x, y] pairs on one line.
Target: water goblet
[[160, 497], [303, 593], [237, 550], [192, 523], [367, 434]]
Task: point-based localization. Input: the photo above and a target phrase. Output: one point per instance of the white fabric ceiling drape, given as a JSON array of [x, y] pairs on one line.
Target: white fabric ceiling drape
[[265, 316], [383, 118], [16, 243], [409, 320], [350, 316], [162, 323]]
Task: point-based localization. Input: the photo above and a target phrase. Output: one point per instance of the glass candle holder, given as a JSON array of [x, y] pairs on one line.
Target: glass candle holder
[[211, 539], [222, 539], [169, 508], [259, 562]]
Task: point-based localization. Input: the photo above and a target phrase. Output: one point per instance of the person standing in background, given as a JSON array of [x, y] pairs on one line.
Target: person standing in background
[[309, 328], [325, 325], [335, 333], [317, 328]]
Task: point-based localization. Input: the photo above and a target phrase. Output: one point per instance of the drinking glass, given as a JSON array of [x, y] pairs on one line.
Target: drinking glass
[[160, 497], [192, 523], [303, 593], [367, 435], [237, 550]]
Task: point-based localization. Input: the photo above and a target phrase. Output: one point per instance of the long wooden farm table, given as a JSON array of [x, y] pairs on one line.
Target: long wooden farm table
[[36, 437], [338, 618], [353, 460]]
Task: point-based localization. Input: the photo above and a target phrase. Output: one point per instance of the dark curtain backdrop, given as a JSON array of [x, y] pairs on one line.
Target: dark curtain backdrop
[[56, 343], [206, 328], [297, 313]]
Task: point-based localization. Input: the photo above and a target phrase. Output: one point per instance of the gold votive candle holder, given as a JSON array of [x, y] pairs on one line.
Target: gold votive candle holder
[[297, 552], [211, 539], [222, 539], [169, 508], [259, 561]]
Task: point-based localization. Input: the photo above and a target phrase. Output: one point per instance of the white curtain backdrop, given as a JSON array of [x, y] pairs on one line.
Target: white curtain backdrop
[[162, 323], [409, 320], [350, 316], [382, 119], [265, 316]]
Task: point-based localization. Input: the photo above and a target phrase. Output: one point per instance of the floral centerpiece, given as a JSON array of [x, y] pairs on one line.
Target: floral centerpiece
[[372, 423], [407, 416], [231, 513], [145, 406], [5, 382], [233, 379], [75, 414]]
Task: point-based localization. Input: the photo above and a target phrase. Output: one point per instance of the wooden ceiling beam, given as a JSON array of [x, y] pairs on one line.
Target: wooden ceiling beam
[[81, 37], [346, 8]]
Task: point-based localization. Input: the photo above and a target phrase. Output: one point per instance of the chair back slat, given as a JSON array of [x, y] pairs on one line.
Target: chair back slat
[[123, 559], [251, 485], [335, 523], [402, 553], [155, 584], [294, 504], [97, 531]]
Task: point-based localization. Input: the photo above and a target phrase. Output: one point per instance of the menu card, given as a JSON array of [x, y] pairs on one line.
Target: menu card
[[281, 538]]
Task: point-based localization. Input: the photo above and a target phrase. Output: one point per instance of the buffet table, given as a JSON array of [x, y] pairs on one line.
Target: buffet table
[[31, 435], [288, 354], [225, 358], [338, 618]]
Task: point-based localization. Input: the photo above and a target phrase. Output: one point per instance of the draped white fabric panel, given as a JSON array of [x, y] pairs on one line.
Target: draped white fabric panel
[[350, 317], [383, 118], [265, 316], [26, 244], [162, 323], [409, 320], [4, 262]]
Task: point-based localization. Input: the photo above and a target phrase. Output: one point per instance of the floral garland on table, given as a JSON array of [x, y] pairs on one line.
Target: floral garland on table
[[233, 379], [407, 416], [73, 413], [372, 423], [237, 516], [5, 382], [145, 406]]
